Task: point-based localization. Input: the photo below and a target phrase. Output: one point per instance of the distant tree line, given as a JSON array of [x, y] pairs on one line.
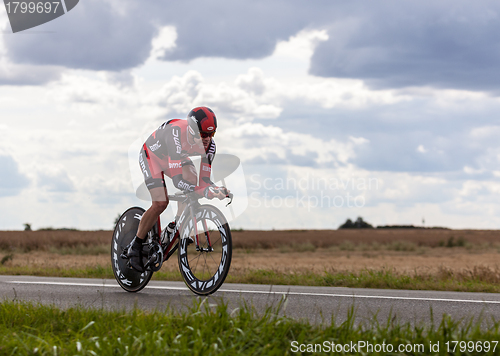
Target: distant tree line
[[27, 227], [359, 223]]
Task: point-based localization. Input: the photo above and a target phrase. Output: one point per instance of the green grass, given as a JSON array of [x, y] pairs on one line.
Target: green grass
[[32, 329], [474, 280], [88, 272]]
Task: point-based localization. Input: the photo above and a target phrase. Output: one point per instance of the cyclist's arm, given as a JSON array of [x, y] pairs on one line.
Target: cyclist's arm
[[206, 166], [210, 189]]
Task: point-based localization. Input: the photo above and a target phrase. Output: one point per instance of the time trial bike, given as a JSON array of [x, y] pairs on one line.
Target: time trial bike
[[201, 236]]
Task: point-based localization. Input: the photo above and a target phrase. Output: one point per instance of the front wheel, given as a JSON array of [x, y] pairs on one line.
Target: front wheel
[[205, 270], [125, 230]]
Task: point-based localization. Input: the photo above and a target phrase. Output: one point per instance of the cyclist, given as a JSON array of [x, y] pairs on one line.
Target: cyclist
[[167, 152]]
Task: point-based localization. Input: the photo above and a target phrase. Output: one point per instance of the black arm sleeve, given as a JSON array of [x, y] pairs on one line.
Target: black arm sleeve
[[182, 184], [206, 165]]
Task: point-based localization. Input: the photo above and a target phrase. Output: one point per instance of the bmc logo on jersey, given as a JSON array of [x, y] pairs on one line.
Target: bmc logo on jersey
[[155, 146], [174, 165]]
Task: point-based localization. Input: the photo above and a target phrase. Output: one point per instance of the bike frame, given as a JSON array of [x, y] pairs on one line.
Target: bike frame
[[192, 203]]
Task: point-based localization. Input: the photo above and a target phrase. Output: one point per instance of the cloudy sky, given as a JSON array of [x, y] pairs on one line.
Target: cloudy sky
[[387, 110]]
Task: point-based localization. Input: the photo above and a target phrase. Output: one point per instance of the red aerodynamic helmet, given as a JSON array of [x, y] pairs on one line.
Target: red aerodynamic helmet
[[202, 120]]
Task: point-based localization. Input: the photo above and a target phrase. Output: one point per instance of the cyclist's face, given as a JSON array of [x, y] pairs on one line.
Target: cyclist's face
[[206, 141]]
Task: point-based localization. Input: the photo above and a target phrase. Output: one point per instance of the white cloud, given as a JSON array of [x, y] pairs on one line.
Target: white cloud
[[13, 74], [181, 94], [163, 42], [103, 187], [421, 149], [302, 45], [359, 140], [326, 93], [485, 132], [258, 143], [252, 81], [92, 94]]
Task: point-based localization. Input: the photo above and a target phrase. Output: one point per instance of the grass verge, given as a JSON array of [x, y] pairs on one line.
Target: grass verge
[[477, 279], [32, 329], [88, 272]]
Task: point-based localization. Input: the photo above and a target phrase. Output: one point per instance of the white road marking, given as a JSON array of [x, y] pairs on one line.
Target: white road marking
[[272, 292]]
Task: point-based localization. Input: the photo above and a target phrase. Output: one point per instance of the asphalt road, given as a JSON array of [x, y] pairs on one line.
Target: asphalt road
[[317, 304]]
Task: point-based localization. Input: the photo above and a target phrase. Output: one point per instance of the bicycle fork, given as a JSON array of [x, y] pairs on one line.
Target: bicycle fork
[[205, 228]]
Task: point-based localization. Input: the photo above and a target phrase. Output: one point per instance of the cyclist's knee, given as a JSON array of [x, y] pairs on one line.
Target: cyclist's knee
[[159, 206], [159, 195]]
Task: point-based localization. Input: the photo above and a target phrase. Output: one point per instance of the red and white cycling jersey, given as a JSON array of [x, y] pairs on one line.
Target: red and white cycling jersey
[[167, 150]]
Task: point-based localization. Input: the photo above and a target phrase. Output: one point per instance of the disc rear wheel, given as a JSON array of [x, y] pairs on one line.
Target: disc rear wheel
[[126, 228]]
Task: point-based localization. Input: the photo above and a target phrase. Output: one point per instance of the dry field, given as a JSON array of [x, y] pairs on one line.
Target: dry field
[[403, 250]]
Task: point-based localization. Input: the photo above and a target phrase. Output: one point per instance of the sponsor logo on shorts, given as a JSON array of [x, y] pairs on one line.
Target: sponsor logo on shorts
[[174, 165]]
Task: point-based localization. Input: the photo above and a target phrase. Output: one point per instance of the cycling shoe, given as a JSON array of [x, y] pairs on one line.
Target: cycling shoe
[[135, 255]]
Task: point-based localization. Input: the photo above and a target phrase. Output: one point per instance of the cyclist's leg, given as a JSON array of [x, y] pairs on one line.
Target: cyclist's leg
[[159, 204], [149, 218], [153, 177]]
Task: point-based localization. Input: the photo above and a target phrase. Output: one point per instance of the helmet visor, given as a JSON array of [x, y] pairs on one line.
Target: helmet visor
[[205, 134]]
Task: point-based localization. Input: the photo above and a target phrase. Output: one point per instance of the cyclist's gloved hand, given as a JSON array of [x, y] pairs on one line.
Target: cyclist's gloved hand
[[215, 192], [211, 192]]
